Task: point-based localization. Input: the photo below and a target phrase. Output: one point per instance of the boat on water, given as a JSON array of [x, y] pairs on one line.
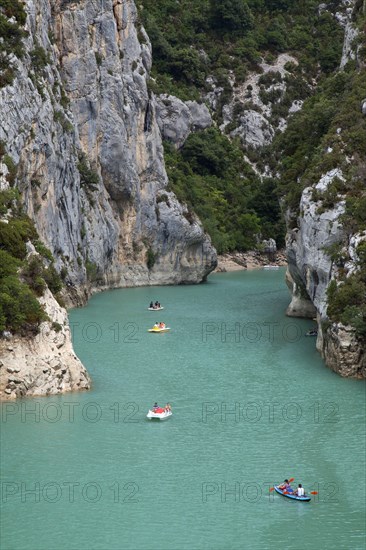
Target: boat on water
[[155, 308], [267, 267], [159, 414], [305, 498], [158, 329], [313, 332]]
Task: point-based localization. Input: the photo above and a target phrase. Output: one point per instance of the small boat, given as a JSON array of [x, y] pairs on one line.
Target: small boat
[[271, 267], [155, 308], [159, 414], [305, 498], [157, 329], [313, 332]]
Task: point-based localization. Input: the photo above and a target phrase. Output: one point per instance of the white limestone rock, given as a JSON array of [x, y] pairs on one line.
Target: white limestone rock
[[177, 119], [101, 60], [45, 364], [254, 129], [310, 270]]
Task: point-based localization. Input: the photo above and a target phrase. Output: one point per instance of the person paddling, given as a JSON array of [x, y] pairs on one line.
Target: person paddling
[[286, 487], [300, 491]]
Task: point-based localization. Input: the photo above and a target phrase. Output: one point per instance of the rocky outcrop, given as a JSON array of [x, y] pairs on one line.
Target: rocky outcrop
[[342, 350], [344, 18], [309, 263], [81, 126], [310, 270], [42, 365], [312, 264], [84, 133], [177, 119], [254, 123]]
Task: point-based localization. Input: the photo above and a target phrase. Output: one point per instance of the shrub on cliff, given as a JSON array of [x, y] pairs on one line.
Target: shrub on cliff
[[210, 176], [20, 310], [22, 279], [11, 34], [347, 302]]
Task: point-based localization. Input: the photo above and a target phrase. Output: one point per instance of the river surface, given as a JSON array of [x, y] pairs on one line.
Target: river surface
[[252, 404]]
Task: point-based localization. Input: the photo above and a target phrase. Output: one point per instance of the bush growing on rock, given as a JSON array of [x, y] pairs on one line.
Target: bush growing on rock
[[20, 311]]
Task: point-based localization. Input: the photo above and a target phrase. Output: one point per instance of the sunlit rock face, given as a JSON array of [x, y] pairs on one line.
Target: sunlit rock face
[[84, 133]]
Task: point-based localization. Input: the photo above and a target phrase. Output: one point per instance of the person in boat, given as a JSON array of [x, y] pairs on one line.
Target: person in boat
[[151, 304], [157, 325], [156, 406], [300, 491], [168, 407], [286, 486], [161, 325], [156, 305]]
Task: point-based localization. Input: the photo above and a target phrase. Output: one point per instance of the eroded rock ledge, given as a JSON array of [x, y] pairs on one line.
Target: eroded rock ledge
[[45, 364], [310, 270]]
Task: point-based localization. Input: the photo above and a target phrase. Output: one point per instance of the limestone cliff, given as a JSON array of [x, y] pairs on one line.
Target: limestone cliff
[[45, 364], [84, 134], [319, 231], [80, 124]]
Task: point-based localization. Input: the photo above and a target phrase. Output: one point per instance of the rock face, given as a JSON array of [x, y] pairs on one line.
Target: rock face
[[309, 264], [177, 119], [84, 133], [254, 125], [342, 351], [344, 18], [310, 270], [43, 365], [82, 129]]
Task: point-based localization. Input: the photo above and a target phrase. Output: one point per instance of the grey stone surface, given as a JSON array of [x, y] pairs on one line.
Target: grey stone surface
[[100, 65], [177, 119], [310, 270], [92, 100]]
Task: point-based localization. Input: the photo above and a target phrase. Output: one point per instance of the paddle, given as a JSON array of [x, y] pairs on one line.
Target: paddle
[[290, 481]]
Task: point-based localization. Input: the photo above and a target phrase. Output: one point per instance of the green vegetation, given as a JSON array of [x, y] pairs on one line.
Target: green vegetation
[[150, 258], [22, 280], [89, 178], [56, 326], [301, 150], [210, 176], [59, 116], [39, 58], [11, 37], [12, 168], [91, 271], [192, 39], [347, 302]]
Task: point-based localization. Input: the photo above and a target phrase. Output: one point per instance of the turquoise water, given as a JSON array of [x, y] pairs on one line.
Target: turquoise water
[[252, 404]]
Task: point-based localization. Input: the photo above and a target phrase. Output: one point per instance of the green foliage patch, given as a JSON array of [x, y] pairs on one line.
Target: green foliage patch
[[150, 258], [210, 176], [347, 302], [11, 34], [223, 35], [22, 280]]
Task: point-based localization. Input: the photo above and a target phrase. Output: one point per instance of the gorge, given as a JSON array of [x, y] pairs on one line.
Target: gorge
[[83, 120]]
